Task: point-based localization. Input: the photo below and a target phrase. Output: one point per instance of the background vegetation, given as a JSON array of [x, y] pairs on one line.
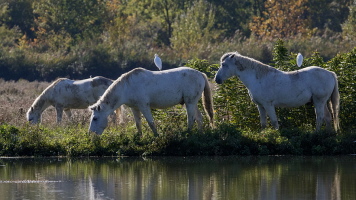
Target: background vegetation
[[45, 39]]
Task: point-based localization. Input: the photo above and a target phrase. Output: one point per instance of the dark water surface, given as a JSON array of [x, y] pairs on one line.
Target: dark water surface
[[171, 178]]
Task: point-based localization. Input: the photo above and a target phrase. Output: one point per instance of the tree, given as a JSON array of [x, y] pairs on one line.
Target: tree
[[78, 18], [194, 29], [328, 14], [166, 12], [282, 19], [232, 16], [349, 27], [18, 13]]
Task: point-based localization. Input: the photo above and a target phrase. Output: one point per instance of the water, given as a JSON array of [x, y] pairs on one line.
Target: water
[[171, 178]]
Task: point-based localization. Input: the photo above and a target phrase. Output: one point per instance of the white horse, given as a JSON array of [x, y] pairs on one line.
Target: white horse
[[142, 90], [65, 94], [270, 88]]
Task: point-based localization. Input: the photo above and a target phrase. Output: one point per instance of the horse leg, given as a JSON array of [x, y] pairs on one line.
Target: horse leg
[[263, 116], [68, 113], [146, 111], [191, 112], [327, 117], [113, 117], [59, 111], [118, 115], [137, 115], [319, 112], [271, 112], [199, 118]]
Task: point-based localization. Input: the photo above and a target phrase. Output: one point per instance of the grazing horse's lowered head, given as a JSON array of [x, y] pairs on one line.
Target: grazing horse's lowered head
[[99, 110]]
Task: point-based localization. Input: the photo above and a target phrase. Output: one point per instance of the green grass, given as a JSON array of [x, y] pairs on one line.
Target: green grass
[[224, 140]]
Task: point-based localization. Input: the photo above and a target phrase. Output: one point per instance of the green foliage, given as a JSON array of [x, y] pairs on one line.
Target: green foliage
[[8, 140], [349, 28], [235, 15], [344, 67], [20, 14], [46, 39], [78, 18], [195, 36], [225, 140], [280, 55], [232, 103], [328, 14]]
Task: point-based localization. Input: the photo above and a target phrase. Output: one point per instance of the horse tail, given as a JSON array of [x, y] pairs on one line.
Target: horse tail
[[208, 101], [335, 104]]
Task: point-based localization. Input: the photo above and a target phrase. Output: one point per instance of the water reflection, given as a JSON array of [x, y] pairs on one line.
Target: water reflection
[[179, 178]]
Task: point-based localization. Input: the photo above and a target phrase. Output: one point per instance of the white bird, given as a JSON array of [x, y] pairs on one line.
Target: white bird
[[299, 59], [158, 62]]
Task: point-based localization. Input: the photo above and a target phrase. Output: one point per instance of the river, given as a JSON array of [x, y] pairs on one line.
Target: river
[[170, 178]]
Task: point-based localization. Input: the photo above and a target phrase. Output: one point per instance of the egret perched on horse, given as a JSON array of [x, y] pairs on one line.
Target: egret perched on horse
[[269, 88], [299, 59], [142, 90], [158, 62], [65, 94]]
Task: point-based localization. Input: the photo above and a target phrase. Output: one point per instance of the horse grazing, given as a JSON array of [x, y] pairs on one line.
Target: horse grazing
[[65, 94], [142, 90], [270, 88]]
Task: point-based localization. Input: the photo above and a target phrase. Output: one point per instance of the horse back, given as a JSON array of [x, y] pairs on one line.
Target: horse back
[[80, 93], [181, 77], [318, 78], [163, 88], [100, 81]]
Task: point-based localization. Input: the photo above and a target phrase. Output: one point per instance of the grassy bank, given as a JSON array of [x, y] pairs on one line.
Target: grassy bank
[[225, 140]]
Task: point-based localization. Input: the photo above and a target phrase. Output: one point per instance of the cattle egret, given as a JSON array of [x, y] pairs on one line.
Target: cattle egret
[[158, 62], [299, 59]]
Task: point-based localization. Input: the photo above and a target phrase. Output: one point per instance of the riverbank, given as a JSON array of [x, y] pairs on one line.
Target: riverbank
[[225, 140]]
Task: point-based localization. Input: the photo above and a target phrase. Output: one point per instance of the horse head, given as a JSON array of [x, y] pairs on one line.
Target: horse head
[[227, 68], [33, 115], [99, 118]]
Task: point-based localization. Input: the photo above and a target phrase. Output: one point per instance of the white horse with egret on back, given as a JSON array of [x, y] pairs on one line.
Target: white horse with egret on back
[[65, 94], [270, 88], [142, 90]]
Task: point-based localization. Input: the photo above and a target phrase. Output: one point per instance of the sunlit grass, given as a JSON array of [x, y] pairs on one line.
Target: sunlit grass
[[74, 140]]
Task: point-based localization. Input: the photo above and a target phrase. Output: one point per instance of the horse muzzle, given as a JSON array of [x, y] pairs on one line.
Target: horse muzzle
[[218, 80]]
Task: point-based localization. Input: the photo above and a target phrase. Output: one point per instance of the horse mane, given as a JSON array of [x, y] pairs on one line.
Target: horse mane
[[123, 80], [126, 77], [247, 63]]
